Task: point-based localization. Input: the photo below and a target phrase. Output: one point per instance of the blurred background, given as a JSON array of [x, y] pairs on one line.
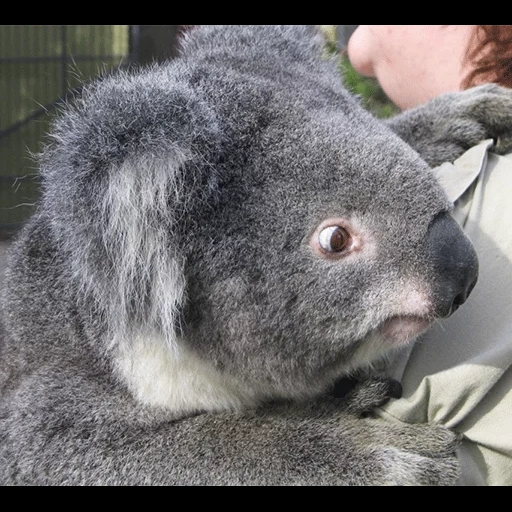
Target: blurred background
[[43, 66]]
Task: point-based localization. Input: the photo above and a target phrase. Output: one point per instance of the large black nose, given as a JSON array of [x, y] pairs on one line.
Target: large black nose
[[454, 262]]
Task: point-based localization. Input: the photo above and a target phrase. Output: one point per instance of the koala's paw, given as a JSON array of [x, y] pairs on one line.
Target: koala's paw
[[444, 128], [371, 393], [321, 444], [483, 112]]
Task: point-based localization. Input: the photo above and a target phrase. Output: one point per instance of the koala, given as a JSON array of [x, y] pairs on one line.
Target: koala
[[220, 239]]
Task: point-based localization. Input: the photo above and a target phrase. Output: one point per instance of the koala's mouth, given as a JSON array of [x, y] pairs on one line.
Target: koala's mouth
[[400, 330]]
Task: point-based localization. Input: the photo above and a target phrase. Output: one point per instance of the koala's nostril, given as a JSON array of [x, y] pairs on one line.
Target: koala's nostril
[[463, 296], [458, 301]]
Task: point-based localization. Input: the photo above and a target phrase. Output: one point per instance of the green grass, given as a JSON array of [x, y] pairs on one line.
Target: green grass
[[371, 94]]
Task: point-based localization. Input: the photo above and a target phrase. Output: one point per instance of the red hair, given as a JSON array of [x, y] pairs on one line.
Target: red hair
[[490, 55]]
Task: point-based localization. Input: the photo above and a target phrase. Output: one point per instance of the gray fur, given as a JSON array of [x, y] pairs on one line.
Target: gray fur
[[456, 121], [167, 321]]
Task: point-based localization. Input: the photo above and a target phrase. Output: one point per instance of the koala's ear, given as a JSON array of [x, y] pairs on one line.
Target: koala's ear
[[127, 162]]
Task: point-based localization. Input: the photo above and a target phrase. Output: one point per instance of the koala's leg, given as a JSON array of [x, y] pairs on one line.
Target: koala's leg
[[442, 129]]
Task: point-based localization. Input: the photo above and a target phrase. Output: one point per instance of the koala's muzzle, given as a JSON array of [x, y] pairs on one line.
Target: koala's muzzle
[[454, 261]]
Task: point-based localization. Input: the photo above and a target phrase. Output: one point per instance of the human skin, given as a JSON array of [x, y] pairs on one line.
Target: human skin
[[413, 63]]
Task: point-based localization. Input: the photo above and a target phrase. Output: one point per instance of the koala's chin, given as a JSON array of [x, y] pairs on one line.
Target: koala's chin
[[401, 330], [382, 343]]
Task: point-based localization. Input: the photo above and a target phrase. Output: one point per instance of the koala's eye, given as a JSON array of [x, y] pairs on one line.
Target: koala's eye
[[333, 239]]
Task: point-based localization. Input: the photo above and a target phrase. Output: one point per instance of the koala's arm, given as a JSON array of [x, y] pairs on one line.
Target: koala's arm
[[444, 128], [321, 443]]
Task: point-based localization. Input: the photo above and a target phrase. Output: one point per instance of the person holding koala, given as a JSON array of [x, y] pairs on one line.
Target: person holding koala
[[460, 373]]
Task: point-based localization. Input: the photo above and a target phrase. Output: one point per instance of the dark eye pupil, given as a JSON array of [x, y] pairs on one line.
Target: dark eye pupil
[[333, 239], [338, 239]]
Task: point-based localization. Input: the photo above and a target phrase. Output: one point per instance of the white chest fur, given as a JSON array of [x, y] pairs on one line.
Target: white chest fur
[[176, 380]]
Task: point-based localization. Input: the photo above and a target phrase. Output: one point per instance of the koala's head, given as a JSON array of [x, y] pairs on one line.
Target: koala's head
[[236, 217]]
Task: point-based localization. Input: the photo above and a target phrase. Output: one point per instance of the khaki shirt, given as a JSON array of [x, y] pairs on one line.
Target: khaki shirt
[[460, 373]]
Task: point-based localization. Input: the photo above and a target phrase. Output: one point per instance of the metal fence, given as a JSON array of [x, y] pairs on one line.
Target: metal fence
[[40, 67]]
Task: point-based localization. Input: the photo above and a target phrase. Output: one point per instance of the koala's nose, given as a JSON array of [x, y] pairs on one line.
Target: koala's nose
[[454, 261]]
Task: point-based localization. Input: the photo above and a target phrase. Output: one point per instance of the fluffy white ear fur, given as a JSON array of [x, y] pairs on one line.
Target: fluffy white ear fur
[[138, 239]]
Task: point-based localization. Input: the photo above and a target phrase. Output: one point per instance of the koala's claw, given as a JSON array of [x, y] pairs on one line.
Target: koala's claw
[[395, 389]]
